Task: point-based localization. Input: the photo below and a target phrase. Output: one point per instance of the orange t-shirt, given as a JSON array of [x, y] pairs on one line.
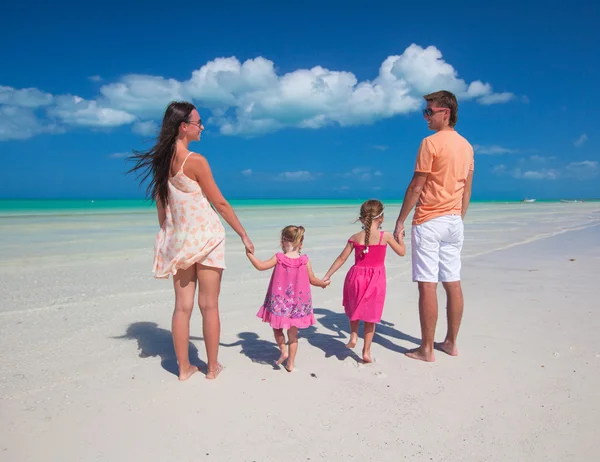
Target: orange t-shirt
[[448, 158]]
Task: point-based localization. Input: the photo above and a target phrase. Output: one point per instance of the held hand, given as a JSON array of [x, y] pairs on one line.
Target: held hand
[[326, 283], [248, 244], [399, 232]]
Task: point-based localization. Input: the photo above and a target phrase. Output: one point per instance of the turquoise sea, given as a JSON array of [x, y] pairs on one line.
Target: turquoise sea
[[9, 207]]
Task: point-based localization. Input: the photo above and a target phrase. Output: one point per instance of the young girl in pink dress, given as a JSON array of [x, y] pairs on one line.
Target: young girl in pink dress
[[365, 283], [288, 303]]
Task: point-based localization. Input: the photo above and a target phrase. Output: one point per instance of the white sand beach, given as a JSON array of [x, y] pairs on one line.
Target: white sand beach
[[87, 366]]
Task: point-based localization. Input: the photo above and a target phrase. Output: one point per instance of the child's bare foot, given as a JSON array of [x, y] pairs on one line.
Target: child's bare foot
[[211, 375], [187, 372], [367, 357], [289, 366], [282, 358], [448, 348], [352, 343], [421, 355]]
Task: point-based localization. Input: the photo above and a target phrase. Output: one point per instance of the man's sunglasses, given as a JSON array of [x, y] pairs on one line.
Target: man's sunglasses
[[433, 110]]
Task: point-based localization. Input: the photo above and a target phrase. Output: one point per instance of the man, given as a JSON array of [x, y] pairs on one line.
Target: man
[[442, 187]]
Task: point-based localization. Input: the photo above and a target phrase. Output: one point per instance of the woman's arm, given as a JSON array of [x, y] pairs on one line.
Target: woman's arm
[[259, 264], [205, 179], [339, 261], [397, 246], [315, 281]]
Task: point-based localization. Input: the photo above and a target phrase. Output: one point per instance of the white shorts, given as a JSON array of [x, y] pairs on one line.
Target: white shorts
[[436, 246]]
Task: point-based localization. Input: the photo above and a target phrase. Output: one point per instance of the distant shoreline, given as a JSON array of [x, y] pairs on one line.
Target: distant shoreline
[[66, 207]]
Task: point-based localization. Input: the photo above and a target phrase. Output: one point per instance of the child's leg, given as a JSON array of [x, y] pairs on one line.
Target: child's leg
[[293, 344], [353, 334], [369, 333], [280, 340]]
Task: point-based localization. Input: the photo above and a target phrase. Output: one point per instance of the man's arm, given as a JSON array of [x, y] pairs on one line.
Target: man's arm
[[413, 192], [466, 199]]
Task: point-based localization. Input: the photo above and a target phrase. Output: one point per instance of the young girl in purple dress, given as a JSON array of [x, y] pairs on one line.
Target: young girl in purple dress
[[365, 283], [288, 303]]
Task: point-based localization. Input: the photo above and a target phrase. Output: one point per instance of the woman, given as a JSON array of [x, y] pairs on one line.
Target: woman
[[191, 242]]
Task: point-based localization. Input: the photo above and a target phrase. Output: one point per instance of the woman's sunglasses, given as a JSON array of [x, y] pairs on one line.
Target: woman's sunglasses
[[199, 123]]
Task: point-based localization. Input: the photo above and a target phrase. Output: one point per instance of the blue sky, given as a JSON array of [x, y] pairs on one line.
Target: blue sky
[[316, 99]]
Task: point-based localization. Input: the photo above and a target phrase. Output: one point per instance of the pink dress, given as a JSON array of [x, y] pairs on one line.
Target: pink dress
[[288, 302], [192, 231], [365, 283]]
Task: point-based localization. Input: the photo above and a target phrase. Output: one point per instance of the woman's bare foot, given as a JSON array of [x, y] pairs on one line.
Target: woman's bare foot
[[187, 372], [367, 357], [447, 347], [352, 343], [289, 366], [282, 358], [211, 375], [421, 355]]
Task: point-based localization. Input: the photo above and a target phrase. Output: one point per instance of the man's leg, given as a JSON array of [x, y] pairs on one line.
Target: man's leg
[[425, 264], [428, 314], [450, 266], [454, 312]]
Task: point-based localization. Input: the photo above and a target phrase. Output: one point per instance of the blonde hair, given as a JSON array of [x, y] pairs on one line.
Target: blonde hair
[[370, 210], [294, 235]]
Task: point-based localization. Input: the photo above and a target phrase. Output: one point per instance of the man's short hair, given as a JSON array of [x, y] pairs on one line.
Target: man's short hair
[[447, 99]]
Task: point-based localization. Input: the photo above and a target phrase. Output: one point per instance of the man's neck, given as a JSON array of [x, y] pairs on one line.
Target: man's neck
[[444, 129]]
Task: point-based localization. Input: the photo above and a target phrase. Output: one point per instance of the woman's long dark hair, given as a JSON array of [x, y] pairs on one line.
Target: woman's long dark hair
[[156, 162]]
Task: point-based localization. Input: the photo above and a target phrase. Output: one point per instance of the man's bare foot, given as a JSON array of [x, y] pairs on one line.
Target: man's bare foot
[[188, 372], [352, 343], [282, 358], [421, 355], [447, 347], [211, 375], [367, 357], [289, 367]]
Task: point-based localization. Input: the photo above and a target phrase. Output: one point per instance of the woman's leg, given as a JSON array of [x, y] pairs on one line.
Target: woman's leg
[[209, 288], [293, 346], [369, 333], [280, 340], [185, 289]]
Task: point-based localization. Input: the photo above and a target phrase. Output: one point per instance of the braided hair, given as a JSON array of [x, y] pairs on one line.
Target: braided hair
[[368, 211]]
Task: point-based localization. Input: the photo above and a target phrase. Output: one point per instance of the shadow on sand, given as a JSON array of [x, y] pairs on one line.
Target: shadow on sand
[[156, 342], [338, 323]]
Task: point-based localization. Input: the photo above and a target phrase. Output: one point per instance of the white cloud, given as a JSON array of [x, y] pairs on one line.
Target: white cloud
[[251, 98], [425, 70], [95, 78], [247, 172], [496, 98], [19, 123], [378, 173], [525, 173], [144, 95], [543, 174], [25, 97], [585, 169], [119, 155], [380, 147], [492, 150], [74, 110], [146, 128], [300, 175], [360, 174], [581, 140]]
